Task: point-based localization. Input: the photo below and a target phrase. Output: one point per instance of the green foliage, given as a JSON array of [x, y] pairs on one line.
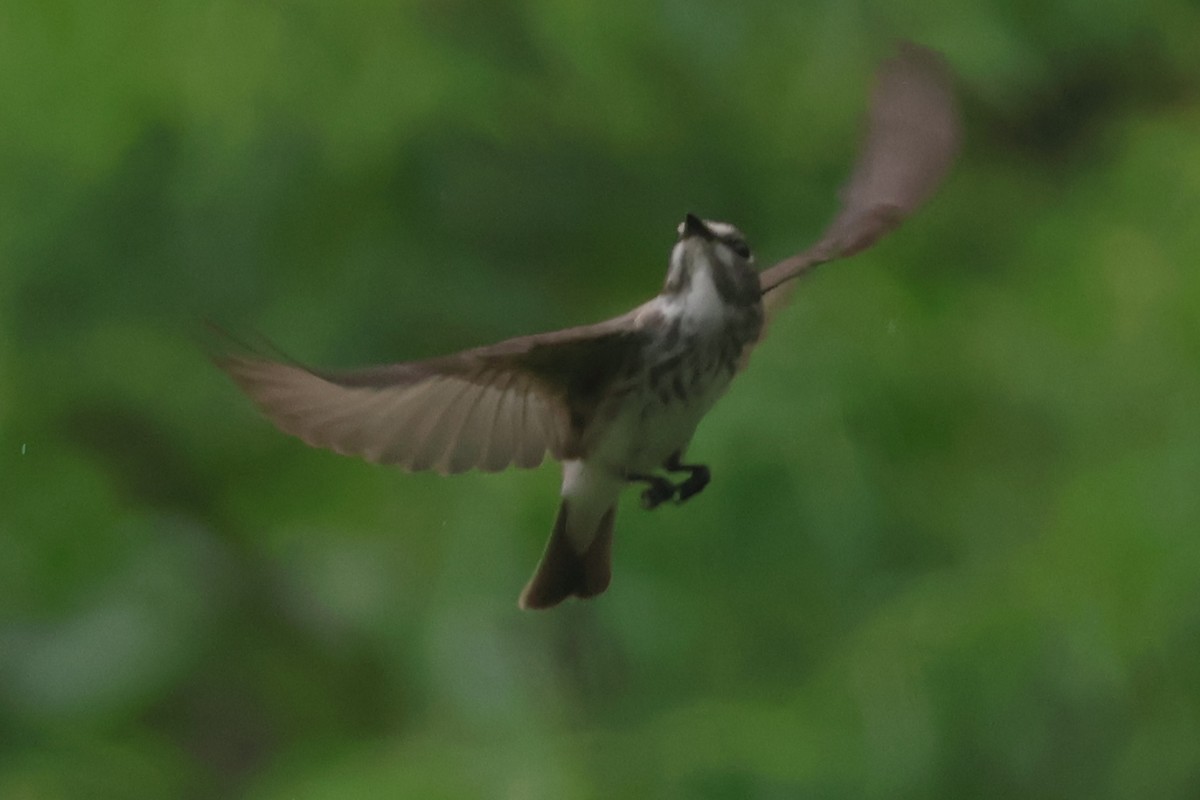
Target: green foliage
[[952, 543]]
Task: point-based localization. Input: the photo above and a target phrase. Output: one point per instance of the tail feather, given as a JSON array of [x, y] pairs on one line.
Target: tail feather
[[564, 571]]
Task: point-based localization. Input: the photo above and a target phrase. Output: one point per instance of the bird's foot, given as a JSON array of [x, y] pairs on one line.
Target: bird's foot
[[694, 483], [658, 492]]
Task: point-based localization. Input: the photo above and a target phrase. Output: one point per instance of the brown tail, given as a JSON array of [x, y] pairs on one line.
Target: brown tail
[[565, 572]]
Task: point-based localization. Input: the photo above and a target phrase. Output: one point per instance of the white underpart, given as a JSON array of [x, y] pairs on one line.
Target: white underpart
[[589, 490], [700, 306], [638, 440]]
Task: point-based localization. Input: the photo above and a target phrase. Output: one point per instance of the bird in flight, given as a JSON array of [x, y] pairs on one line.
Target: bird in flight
[[616, 402]]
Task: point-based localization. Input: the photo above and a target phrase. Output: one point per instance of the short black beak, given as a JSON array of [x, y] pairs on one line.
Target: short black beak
[[694, 226]]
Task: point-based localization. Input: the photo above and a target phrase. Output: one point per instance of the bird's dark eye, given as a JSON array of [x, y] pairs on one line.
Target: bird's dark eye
[[739, 246]]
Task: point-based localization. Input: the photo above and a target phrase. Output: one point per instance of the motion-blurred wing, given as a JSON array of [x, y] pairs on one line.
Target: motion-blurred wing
[[913, 135], [491, 407]]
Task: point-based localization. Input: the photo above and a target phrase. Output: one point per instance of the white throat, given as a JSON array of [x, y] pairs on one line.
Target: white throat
[[699, 304]]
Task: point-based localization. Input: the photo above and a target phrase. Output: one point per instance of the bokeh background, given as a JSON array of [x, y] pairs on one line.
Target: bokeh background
[[952, 545]]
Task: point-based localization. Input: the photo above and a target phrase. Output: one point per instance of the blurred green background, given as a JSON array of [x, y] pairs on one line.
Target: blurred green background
[[952, 545]]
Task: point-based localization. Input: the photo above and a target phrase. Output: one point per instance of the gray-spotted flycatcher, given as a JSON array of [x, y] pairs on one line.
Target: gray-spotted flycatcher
[[616, 402]]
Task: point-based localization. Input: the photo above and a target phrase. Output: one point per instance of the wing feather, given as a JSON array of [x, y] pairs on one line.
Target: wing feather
[[397, 436], [429, 426], [493, 426], [913, 136], [459, 437], [529, 430], [490, 407]]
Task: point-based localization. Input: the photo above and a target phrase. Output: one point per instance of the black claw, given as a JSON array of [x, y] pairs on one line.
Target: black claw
[[695, 482], [659, 492]]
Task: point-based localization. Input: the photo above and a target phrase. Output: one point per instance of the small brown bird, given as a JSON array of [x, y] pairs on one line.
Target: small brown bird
[[616, 402]]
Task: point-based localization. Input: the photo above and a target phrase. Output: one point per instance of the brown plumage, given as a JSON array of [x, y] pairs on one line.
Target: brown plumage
[[564, 572], [913, 136], [489, 408], [616, 401]]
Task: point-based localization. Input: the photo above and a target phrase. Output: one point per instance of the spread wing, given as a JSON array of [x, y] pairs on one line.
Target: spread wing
[[490, 407], [513, 402], [913, 134]]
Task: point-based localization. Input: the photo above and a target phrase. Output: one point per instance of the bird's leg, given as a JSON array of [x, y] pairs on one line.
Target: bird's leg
[[658, 492], [698, 477]]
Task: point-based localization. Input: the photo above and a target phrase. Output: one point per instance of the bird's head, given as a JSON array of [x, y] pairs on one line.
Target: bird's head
[[718, 248]]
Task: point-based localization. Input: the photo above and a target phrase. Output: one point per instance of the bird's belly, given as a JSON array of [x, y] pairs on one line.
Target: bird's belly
[[647, 427]]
